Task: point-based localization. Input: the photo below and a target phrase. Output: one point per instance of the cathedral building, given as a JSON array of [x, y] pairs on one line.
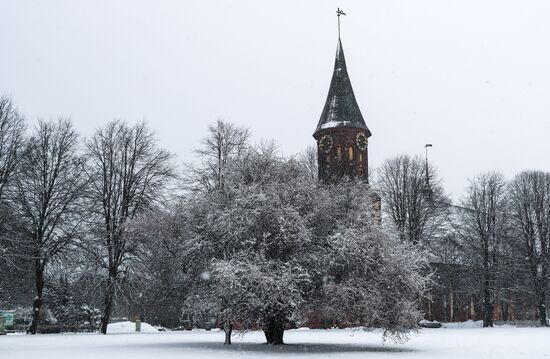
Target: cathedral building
[[341, 134]]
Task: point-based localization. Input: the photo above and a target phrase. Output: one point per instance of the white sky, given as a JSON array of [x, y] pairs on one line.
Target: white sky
[[471, 77]]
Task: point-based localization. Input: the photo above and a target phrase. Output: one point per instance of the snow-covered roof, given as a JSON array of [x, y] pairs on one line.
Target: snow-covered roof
[[332, 124], [341, 109]]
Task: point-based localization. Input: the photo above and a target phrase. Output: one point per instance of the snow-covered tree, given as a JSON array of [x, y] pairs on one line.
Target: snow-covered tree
[[12, 128], [529, 194], [369, 277], [248, 232], [413, 199], [50, 183], [276, 247], [224, 143], [67, 300], [128, 173], [482, 227], [158, 277]]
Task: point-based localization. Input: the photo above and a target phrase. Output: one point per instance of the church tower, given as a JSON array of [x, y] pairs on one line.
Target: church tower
[[342, 135]]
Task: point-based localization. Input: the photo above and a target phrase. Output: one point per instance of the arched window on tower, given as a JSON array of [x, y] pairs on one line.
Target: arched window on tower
[[350, 153], [339, 153]]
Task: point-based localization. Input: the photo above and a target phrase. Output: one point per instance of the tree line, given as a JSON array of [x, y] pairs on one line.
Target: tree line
[[498, 233], [248, 238], [244, 237], [61, 195]]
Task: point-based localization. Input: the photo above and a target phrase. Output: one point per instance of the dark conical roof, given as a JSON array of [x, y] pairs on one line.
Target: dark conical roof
[[341, 109]]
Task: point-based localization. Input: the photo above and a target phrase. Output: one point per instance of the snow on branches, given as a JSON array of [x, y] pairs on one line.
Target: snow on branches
[[281, 249]]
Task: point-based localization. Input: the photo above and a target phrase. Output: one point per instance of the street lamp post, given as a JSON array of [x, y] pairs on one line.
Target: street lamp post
[[427, 188]]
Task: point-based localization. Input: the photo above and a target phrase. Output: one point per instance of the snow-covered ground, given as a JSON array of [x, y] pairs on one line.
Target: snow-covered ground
[[444, 343]]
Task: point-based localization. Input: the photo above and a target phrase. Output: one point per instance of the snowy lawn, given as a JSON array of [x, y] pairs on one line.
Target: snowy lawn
[[477, 343]]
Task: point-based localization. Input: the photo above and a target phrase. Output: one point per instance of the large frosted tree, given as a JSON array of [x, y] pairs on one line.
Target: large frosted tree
[[277, 248]]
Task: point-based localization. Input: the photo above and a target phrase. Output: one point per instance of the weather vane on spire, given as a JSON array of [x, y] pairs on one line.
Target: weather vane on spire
[[339, 12]]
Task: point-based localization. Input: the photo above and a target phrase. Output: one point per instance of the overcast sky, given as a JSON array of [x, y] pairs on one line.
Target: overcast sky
[[472, 77]]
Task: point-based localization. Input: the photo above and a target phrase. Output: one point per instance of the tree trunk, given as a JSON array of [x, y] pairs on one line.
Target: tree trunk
[[487, 305], [487, 302], [274, 331], [505, 310], [544, 287], [37, 303], [430, 316], [542, 310], [108, 305], [487, 314], [452, 305], [227, 328], [540, 291]]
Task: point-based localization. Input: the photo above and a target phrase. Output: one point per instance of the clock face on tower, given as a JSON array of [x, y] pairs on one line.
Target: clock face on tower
[[325, 143], [361, 141]]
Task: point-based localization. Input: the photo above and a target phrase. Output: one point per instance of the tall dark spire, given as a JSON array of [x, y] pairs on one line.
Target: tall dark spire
[[341, 109], [341, 134]]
